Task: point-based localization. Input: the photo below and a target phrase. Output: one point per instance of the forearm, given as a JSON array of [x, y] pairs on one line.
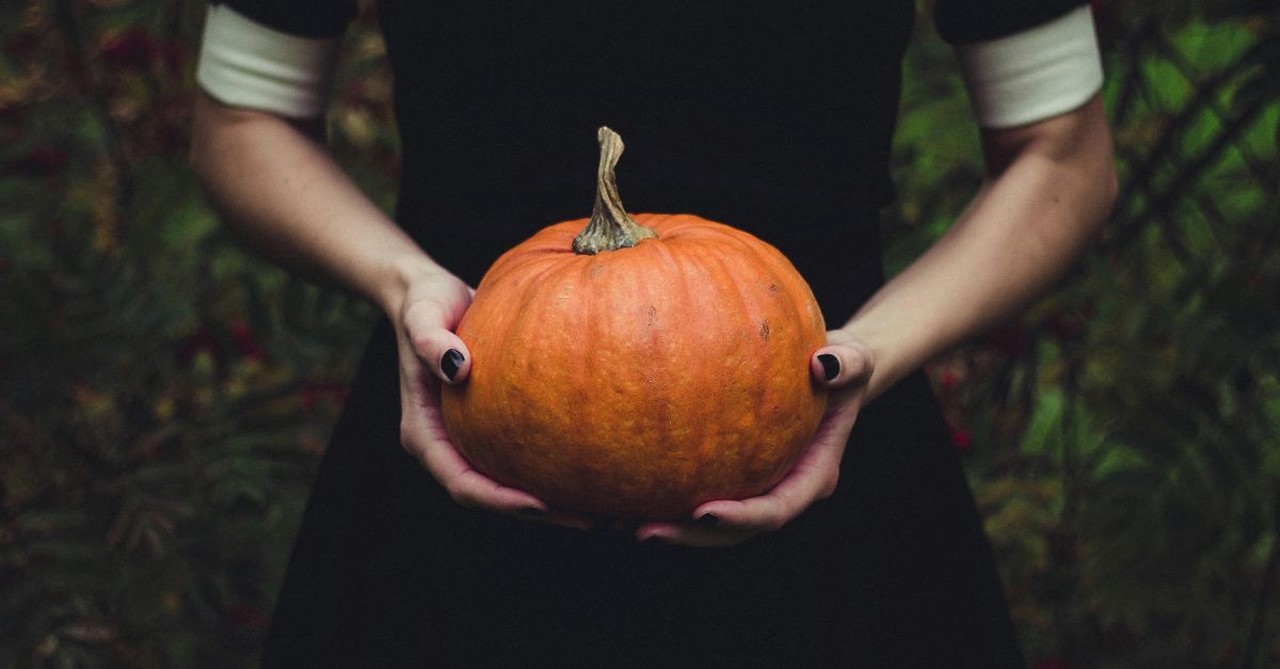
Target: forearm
[[282, 193], [1050, 188]]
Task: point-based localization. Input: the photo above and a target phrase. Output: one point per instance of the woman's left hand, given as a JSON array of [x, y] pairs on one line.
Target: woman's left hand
[[844, 366]]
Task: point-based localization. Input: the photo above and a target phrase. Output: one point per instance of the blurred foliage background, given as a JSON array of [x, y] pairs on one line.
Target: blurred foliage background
[[164, 396]]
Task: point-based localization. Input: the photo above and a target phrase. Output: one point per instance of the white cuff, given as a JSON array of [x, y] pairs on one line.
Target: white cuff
[[246, 64], [1035, 74]]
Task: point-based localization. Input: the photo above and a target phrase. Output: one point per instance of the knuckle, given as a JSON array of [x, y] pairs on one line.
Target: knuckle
[[428, 311], [421, 342]]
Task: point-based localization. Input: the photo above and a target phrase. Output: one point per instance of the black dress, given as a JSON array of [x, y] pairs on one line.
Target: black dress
[[773, 117]]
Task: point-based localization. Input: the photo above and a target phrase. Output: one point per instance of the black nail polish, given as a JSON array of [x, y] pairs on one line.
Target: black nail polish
[[451, 363], [709, 519], [830, 366], [532, 512]]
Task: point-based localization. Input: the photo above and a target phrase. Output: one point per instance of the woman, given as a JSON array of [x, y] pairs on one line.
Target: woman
[[776, 119]]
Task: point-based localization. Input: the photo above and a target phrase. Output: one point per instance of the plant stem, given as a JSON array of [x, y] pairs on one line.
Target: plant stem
[[610, 228]]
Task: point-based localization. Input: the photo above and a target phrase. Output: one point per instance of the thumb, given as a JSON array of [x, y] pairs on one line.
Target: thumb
[[842, 364], [444, 353]]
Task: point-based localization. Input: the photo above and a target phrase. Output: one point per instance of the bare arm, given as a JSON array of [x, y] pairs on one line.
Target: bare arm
[[278, 188], [1050, 186]]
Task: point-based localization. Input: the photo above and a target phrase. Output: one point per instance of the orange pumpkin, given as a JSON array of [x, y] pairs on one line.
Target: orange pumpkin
[[639, 367]]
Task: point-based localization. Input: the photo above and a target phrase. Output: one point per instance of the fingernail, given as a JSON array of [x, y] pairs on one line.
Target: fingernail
[[709, 519], [830, 366], [451, 363], [532, 512]]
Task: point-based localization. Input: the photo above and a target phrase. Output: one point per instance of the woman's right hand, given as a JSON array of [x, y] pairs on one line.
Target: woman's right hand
[[282, 192], [430, 355]]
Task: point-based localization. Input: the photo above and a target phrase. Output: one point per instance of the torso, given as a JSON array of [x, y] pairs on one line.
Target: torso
[[772, 117]]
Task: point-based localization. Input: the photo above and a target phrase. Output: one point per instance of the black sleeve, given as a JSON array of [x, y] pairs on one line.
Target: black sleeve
[[967, 21], [301, 18]]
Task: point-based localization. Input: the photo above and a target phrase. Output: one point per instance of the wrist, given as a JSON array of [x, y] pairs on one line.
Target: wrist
[[400, 274], [891, 361]]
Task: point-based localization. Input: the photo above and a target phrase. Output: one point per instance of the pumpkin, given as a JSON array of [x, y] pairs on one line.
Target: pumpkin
[[638, 367]]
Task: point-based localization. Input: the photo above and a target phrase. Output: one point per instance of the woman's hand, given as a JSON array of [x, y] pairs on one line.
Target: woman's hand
[[431, 354], [844, 366]]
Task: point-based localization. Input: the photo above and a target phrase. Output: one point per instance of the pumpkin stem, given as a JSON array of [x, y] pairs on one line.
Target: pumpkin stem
[[610, 228]]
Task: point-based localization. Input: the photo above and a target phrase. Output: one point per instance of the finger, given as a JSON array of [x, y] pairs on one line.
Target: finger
[[765, 513], [468, 486], [707, 531], [838, 365], [422, 433], [443, 352], [729, 522], [472, 488], [681, 534]]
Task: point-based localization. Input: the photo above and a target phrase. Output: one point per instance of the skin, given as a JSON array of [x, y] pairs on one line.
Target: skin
[[1049, 187]]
